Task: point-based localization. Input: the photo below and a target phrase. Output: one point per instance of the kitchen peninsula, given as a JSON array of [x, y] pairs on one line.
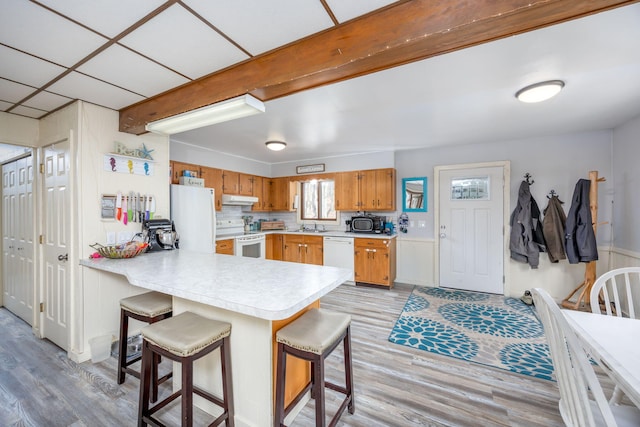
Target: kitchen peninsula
[[256, 296]]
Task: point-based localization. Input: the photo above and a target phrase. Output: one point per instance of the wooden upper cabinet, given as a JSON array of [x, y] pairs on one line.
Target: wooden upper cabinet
[[245, 184], [377, 189], [230, 181], [386, 189], [280, 194], [346, 190], [237, 183], [177, 168], [213, 179], [366, 190]]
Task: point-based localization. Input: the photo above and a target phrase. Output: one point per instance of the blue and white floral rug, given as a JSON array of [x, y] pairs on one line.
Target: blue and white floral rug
[[479, 327]]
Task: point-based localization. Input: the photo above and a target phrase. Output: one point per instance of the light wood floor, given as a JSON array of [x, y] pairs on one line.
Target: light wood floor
[[395, 385]]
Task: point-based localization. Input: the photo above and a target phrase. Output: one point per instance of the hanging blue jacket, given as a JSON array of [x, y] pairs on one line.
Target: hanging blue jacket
[[580, 240]]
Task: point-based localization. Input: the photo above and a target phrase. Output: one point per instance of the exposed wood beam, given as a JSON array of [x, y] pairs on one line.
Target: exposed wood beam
[[406, 32]]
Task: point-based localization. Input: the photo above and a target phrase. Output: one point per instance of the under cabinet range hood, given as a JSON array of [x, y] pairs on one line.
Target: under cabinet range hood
[[235, 200]]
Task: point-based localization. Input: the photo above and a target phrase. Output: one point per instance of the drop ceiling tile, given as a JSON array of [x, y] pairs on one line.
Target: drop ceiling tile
[[47, 101], [34, 29], [259, 26], [28, 112], [108, 17], [26, 69], [13, 92], [79, 86], [4, 105], [349, 9], [122, 67], [182, 42]]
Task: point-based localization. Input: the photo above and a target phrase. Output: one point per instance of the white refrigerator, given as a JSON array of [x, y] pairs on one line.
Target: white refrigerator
[[194, 215]]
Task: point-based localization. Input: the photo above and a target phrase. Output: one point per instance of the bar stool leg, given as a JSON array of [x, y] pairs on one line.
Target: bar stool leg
[[145, 374], [187, 393], [281, 366], [122, 352], [348, 370], [227, 382], [317, 365]]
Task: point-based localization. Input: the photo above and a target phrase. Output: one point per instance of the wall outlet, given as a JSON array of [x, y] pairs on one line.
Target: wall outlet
[[412, 223], [111, 237], [124, 236], [422, 224]]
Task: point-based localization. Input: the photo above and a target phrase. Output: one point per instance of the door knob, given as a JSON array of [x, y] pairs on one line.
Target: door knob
[[64, 257]]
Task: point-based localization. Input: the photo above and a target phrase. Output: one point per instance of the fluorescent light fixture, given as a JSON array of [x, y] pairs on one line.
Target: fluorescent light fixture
[[275, 145], [231, 109], [539, 92]]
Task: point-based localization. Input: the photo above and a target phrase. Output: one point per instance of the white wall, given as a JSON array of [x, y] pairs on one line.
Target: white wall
[[93, 131], [626, 176], [555, 162], [379, 160], [183, 152], [18, 130]]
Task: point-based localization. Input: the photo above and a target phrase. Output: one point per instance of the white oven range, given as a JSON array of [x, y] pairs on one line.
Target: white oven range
[[245, 244]]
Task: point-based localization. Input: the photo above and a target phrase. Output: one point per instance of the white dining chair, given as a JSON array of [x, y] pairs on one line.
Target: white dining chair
[[613, 293], [582, 401]]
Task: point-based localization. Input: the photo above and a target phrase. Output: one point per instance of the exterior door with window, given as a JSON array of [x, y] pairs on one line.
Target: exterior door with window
[[471, 224]]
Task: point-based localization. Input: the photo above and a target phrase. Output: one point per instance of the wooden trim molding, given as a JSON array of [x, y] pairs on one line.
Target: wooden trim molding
[[405, 32]]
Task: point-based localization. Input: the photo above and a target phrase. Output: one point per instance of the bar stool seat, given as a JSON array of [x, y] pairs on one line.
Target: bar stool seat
[[313, 337], [185, 338], [149, 307]]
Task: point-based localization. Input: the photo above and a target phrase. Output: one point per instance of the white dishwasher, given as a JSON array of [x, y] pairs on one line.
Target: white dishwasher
[[338, 252]]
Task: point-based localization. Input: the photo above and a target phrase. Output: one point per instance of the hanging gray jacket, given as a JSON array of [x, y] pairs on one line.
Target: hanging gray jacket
[[553, 228], [580, 239], [526, 240]]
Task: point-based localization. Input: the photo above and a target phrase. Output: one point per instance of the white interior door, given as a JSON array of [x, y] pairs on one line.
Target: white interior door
[[56, 275], [18, 230], [471, 229]]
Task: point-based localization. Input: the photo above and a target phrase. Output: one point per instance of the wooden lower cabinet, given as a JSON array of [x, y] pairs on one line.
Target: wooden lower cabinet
[[273, 247], [303, 249], [224, 247], [375, 261]]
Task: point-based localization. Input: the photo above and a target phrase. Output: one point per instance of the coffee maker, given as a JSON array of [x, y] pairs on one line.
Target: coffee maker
[[160, 234]]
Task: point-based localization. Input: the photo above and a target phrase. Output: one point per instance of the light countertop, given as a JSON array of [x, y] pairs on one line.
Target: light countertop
[[270, 290], [329, 233]]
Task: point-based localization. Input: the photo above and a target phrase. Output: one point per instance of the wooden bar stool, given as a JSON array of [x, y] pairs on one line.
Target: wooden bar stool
[[312, 337], [149, 307], [185, 338]]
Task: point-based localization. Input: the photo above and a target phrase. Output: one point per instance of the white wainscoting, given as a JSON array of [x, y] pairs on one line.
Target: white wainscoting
[[415, 266], [415, 261], [623, 258]]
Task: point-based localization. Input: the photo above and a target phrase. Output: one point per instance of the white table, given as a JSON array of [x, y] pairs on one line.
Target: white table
[[615, 341], [256, 296]]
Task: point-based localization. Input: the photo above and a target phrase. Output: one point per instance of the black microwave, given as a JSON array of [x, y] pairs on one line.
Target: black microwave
[[367, 224]]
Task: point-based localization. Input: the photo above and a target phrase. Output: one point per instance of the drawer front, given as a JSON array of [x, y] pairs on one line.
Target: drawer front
[[224, 247], [372, 243]]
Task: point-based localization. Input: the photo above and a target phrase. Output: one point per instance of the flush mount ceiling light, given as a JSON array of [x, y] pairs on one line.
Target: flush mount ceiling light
[[275, 145], [231, 109], [539, 92]]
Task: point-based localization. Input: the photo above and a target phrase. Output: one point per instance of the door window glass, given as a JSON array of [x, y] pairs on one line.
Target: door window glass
[[471, 188]]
